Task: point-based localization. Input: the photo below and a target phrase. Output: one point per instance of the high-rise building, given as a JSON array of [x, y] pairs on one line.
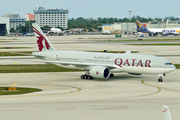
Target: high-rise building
[[51, 17], [30, 17]]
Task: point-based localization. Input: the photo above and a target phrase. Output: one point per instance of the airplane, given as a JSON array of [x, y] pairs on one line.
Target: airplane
[[155, 31], [100, 65], [55, 30], [167, 115]]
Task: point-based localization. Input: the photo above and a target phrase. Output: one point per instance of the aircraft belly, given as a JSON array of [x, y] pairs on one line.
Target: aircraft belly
[[146, 70]]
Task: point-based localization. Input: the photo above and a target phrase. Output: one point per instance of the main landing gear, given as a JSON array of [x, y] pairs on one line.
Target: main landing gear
[[160, 79], [86, 77], [111, 75]]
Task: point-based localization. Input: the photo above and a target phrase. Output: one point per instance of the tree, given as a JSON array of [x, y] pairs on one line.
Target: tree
[[12, 30]]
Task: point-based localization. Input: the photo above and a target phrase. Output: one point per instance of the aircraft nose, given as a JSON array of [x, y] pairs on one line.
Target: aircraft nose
[[174, 67]]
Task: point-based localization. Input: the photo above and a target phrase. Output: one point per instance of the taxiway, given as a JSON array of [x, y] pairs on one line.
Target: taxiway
[[67, 97]]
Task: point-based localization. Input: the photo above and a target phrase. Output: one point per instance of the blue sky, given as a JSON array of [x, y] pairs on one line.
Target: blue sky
[[96, 8]]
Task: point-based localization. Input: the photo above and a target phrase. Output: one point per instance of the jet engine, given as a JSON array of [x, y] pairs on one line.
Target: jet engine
[[99, 72]]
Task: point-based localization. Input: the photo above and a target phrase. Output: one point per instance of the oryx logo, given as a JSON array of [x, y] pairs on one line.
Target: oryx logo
[[97, 72], [40, 40]]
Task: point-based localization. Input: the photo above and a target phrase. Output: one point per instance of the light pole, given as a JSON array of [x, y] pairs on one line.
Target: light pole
[[130, 16]]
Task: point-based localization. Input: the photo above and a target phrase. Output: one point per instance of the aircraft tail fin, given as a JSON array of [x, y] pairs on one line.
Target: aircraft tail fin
[[166, 112], [43, 43], [141, 27]]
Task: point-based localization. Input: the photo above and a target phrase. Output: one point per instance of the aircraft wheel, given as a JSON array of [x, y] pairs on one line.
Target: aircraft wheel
[[160, 80], [82, 76], [111, 75], [86, 76]]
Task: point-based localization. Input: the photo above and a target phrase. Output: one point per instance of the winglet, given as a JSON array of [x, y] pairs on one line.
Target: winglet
[[166, 112], [127, 52]]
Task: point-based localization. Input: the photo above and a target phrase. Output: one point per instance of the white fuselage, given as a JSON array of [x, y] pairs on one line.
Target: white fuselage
[[140, 64], [165, 30]]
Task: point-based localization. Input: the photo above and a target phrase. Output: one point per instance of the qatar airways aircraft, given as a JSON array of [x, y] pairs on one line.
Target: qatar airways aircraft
[[101, 65]]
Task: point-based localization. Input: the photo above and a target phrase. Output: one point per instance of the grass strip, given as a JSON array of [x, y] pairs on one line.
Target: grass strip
[[158, 44], [19, 90], [14, 47], [34, 68], [177, 66], [14, 53]]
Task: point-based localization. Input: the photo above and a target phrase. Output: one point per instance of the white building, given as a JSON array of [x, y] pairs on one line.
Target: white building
[[15, 20], [124, 28], [51, 17]]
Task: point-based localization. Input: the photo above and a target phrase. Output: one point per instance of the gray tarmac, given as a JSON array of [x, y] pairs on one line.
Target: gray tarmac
[[67, 97]]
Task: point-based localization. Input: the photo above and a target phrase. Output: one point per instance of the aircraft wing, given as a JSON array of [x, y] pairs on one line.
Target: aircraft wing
[[83, 65]]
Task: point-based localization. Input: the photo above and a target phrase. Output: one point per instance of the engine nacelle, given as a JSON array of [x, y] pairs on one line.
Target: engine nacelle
[[99, 72]]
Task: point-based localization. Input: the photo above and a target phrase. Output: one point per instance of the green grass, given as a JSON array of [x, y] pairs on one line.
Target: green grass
[[158, 44], [14, 47], [14, 53], [19, 90], [34, 68], [177, 66], [4, 41]]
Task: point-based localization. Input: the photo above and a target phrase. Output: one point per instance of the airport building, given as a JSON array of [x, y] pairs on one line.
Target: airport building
[[124, 28], [127, 28], [4, 26], [15, 20], [51, 17]]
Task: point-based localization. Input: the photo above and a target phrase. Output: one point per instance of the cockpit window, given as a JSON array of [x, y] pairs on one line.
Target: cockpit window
[[168, 63]]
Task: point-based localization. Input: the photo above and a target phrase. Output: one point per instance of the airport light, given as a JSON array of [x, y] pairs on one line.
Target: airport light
[[130, 14]]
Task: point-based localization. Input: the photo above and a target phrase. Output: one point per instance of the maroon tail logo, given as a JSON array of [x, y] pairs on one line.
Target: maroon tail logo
[[40, 40]]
